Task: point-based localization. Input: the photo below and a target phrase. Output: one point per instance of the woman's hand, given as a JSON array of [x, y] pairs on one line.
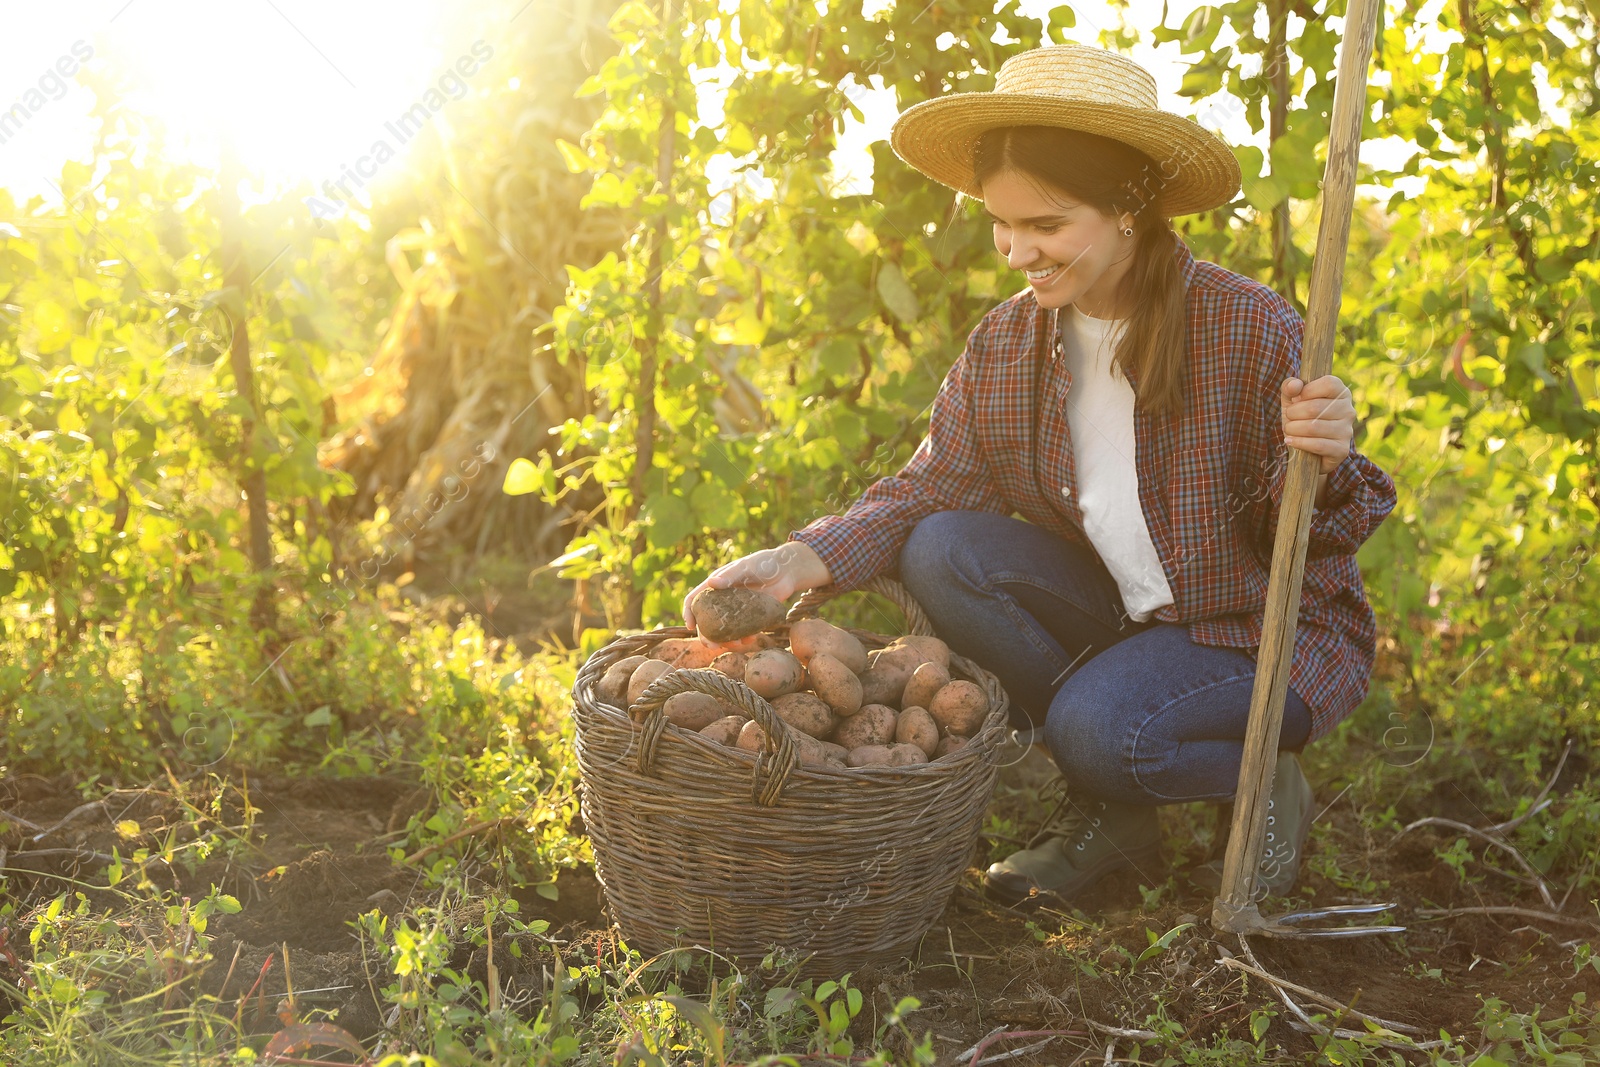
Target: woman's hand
[[779, 572], [1318, 417]]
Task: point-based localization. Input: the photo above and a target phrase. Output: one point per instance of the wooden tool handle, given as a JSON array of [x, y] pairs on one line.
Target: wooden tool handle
[[1234, 909]]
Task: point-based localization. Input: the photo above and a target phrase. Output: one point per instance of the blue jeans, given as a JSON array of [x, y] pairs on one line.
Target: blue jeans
[[1132, 712]]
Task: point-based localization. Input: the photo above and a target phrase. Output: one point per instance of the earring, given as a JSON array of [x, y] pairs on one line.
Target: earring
[[1127, 231]]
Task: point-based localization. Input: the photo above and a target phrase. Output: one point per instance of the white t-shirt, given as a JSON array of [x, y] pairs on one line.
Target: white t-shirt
[[1100, 413]]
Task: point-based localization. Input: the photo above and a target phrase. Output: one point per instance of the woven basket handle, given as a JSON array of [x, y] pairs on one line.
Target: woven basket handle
[[916, 619], [778, 756]]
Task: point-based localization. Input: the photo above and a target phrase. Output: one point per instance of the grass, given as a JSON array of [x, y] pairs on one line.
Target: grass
[[477, 948]]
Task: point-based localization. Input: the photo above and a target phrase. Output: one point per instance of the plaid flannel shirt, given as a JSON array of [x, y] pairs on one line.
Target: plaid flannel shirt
[[1210, 483]]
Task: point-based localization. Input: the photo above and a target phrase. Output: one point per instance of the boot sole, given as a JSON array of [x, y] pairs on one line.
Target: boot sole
[[1150, 855]]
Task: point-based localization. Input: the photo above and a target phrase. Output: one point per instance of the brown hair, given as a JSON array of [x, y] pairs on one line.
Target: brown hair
[[1112, 177]]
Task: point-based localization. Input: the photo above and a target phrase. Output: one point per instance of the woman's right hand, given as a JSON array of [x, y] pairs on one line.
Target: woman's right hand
[[793, 566]]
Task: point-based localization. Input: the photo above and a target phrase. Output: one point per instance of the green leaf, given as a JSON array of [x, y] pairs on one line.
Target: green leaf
[[702, 1019], [522, 478], [323, 716], [1161, 944], [669, 520], [576, 159], [717, 507], [897, 294], [1062, 18]]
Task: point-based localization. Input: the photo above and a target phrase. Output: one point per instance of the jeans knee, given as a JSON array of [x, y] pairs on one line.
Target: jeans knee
[[929, 550], [1086, 744]]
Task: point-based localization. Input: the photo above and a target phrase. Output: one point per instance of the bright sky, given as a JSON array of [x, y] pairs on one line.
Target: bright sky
[[305, 86], [310, 88]]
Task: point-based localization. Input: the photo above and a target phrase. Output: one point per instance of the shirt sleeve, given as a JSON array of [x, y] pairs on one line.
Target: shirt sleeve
[[946, 473], [1360, 495]]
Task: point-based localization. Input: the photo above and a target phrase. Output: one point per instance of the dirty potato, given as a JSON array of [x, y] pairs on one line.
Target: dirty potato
[[808, 637], [914, 726], [885, 683], [809, 750], [948, 745], [685, 652], [694, 711], [872, 725], [925, 681], [732, 664], [816, 753], [959, 708], [773, 672], [725, 731], [894, 755], [835, 683], [928, 649], [806, 712], [751, 737], [642, 676], [730, 614], [613, 685]]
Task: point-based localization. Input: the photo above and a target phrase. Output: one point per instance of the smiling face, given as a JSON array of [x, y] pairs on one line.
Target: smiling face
[[1088, 252]]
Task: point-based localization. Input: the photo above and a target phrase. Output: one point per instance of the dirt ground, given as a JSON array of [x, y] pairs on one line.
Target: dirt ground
[[321, 861]]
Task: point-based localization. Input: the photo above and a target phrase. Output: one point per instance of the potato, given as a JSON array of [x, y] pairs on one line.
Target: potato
[[725, 731], [731, 664], [694, 711], [872, 725], [930, 649], [642, 676], [729, 614], [905, 656], [915, 726], [835, 683], [808, 637], [821, 753], [687, 652], [959, 708], [885, 684], [888, 755], [811, 752], [948, 745], [925, 681], [772, 673], [613, 685], [751, 737], [806, 712]]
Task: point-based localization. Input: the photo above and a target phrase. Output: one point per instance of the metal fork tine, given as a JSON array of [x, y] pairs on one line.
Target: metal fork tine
[[1324, 913]]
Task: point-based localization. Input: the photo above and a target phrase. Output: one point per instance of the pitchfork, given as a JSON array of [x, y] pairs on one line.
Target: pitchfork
[[1235, 910]]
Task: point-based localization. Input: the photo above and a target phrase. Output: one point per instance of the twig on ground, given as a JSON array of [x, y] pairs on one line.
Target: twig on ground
[[1508, 909], [1321, 998], [20, 821], [1307, 1023], [1539, 802], [475, 828], [972, 1053], [1117, 1031], [1500, 843], [70, 817], [997, 1035]]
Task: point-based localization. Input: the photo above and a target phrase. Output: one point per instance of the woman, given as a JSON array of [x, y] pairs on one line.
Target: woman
[[1134, 407]]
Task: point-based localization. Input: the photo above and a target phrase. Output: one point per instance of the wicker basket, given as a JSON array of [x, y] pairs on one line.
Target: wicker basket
[[739, 852]]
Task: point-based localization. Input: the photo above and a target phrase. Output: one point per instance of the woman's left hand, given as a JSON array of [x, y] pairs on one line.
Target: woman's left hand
[[1318, 417]]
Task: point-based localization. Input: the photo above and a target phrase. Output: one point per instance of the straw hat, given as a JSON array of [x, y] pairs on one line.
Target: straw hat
[[1078, 88]]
